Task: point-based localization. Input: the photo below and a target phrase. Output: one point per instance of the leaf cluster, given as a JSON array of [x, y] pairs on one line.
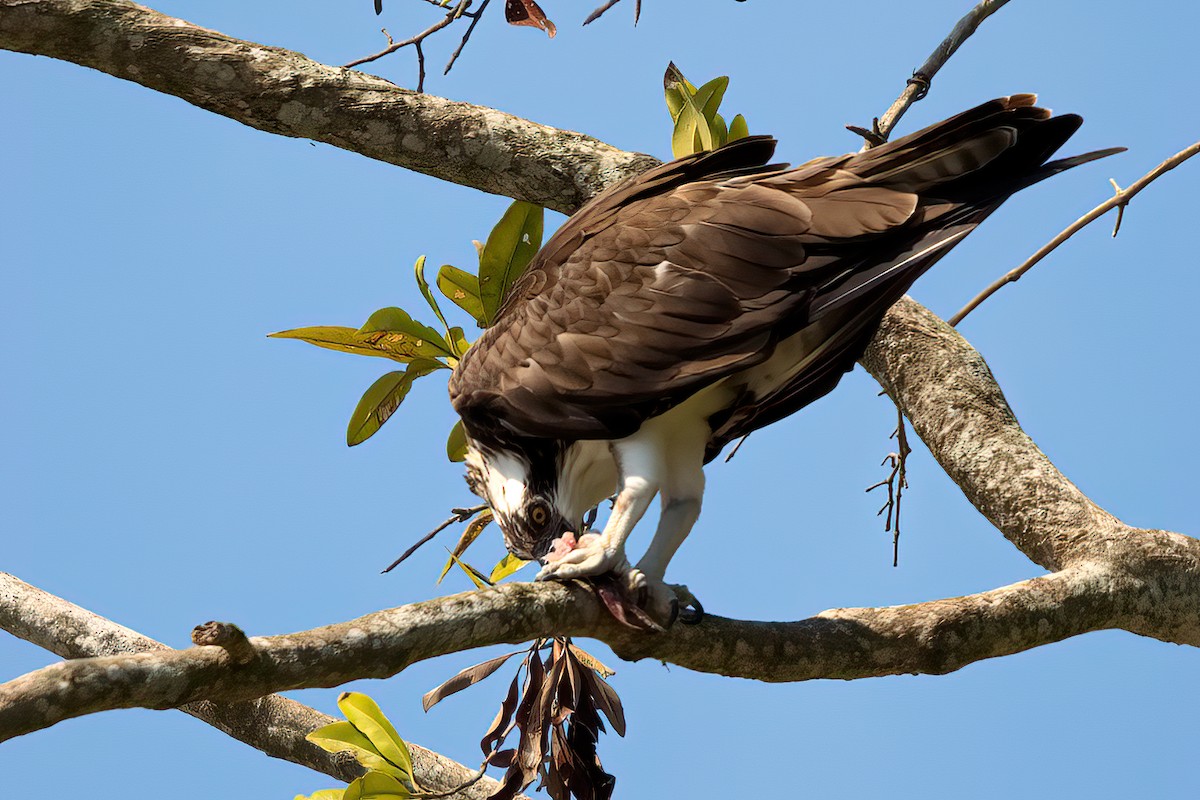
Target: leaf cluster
[[395, 334], [696, 114], [371, 738], [556, 712]]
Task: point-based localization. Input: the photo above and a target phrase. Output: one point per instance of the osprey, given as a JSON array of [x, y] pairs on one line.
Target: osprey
[[699, 301]]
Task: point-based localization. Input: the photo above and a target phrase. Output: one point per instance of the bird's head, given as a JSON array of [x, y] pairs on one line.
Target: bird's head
[[522, 488]]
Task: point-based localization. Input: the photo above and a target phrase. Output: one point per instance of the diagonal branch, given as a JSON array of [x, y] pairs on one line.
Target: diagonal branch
[[1118, 201], [275, 725], [284, 92]]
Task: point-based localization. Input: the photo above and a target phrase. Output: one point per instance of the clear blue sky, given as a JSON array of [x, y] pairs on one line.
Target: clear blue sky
[[165, 464]]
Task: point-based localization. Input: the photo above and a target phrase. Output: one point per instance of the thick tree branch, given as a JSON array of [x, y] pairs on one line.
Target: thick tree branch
[[275, 725], [280, 91], [1123, 590]]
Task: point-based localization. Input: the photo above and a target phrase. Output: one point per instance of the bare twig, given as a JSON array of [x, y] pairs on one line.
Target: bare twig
[[475, 16], [456, 12], [457, 515], [1119, 200], [918, 84], [896, 482]]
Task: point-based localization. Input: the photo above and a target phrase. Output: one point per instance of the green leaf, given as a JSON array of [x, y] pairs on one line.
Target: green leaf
[[342, 736], [382, 399], [719, 131], [683, 138], [676, 87], [477, 577], [509, 249], [423, 285], [462, 289], [364, 714], [458, 341], [349, 340], [423, 340], [456, 444], [376, 786], [324, 794], [738, 128], [505, 567], [465, 540], [709, 96]]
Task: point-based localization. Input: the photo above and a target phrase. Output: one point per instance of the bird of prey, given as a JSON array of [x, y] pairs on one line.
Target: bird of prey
[[699, 301]]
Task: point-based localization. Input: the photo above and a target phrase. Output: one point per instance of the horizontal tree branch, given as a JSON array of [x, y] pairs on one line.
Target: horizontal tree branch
[[284, 92], [275, 725], [933, 638]]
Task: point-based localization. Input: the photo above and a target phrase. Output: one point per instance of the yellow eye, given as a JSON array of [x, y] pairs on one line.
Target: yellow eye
[[539, 516]]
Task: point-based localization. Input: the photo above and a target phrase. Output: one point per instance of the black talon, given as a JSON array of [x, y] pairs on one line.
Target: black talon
[[692, 614]]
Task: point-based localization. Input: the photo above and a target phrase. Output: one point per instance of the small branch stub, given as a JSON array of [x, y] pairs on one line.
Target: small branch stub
[[228, 637]]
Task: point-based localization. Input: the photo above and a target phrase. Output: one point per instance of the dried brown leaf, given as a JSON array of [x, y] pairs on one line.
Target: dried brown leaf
[[528, 12], [607, 701], [467, 677]]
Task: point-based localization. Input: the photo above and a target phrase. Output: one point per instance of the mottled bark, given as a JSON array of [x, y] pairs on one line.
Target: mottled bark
[[284, 92], [275, 725]]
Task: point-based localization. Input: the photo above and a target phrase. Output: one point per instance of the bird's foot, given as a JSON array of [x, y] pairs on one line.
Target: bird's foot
[[591, 554], [664, 602]]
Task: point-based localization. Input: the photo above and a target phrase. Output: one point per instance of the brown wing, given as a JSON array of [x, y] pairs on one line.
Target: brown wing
[[695, 270]]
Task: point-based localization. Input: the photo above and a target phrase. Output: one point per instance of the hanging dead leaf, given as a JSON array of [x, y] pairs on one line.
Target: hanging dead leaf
[[468, 677], [528, 12]]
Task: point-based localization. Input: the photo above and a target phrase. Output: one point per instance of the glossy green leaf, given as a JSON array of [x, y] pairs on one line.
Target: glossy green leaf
[[342, 736], [423, 340], [683, 138], [376, 786], [456, 444], [709, 96], [423, 285], [349, 340], [364, 714], [382, 399], [462, 289], [738, 128], [506, 567], [509, 249]]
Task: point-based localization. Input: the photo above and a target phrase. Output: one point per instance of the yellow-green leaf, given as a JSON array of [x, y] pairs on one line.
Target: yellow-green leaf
[[324, 794], [393, 321], [719, 130], [675, 86], [683, 138], [349, 340], [342, 736], [456, 444], [509, 249], [468, 537], [458, 341], [423, 285], [478, 578], [738, 128], [382, 399], [505, 567], [462, 289], [376, 786], [363, 713]]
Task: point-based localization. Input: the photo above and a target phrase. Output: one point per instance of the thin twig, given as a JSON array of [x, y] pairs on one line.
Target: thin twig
[[1119, 200], [896, 482], [460, 515], [475, 15], [918, 84], [454, 14]]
